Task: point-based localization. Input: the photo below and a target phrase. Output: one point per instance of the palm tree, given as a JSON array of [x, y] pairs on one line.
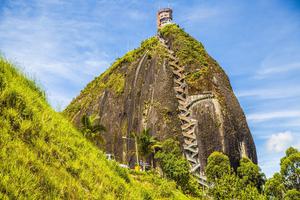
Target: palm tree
[[92, 130], [148, 146]]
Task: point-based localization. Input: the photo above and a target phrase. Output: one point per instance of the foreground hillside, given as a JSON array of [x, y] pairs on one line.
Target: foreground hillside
[[44, 157]]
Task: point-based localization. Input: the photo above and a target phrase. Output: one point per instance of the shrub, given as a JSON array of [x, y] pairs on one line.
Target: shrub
[[176, 167], [218, 165], [290, 168], [274, 187], [250, 174], [292, 195], [225, 184]]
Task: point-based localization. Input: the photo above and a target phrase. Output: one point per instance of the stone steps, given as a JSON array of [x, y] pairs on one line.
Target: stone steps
[[178, 96], [177, 73], [188, 125]]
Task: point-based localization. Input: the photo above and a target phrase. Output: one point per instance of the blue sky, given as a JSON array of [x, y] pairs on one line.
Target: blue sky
[[65, 44]]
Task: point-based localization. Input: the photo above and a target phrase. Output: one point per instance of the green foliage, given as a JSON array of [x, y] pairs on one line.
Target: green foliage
[[292, 195], [186, 47], [250, 174], [147, 144], [173, 163], [122, 172], [290, 168], [200, 67], [290, 151], [221, 189], [274, 187], [3, 83], [44, 157], [176, 167], [248, 183], [193, 77], [112, 79], [286, 184], [218, 165], [116, 82], [163, 188], [248, 193], [92, 130], [225, 184]]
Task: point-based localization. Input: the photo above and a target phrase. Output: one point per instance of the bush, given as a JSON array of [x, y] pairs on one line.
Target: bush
[[274, 187], [290, 168], [250, 174], [176, 167], [172, 163], [225, 184], [292, 195], [218, 165]]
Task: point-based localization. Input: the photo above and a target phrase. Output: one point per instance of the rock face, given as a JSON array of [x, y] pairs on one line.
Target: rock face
[[138, 92]]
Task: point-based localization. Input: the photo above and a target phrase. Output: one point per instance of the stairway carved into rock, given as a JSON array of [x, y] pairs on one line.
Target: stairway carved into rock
[[188, 124]]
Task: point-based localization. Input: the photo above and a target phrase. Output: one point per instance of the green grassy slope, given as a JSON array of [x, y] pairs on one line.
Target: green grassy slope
[[44, 157]]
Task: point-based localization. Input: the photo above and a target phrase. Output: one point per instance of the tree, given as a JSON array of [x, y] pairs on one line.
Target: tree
[[250, 174], [176, 167], [290, 169], [274, 187], [92, 130], [292, 195], [290, 151], [218, 165], [224, 187], [286, 184], [248, 192], [147, 145], [220, 177], [225, 184]]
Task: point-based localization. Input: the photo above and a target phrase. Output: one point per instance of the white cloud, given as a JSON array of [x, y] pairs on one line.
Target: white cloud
[[279, 142], [273, 150], [265, 116]]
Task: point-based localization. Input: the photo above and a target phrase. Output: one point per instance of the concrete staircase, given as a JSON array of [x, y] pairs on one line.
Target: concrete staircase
[[188, 125]]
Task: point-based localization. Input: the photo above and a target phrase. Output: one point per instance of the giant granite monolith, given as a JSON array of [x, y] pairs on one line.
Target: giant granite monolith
[[171, 86]]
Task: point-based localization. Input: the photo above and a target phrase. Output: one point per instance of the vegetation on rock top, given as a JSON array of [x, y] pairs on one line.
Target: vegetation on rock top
[[112, 79], [200, 67]]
